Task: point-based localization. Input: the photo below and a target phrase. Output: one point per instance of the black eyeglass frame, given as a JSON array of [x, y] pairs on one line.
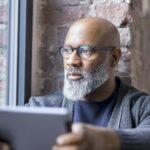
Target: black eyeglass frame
[[92, 50]]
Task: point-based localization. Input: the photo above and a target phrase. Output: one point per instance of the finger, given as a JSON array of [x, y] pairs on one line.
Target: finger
[[71, 147], [87, 132], [69, 139], [4, 146], [83, 131], [79, 128]]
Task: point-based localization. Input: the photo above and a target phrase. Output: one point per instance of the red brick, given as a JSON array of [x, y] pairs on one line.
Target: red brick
[[67, 14], [66, 2], [4, 13], [117, 13], [112, 1], [124, 63], [62, 31], [125, 36]]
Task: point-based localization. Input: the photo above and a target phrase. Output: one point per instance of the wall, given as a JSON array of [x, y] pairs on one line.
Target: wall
[[3, 49], [140, 63], [52, 19]]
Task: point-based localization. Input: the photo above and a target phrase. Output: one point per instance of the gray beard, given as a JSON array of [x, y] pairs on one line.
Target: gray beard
[[78, 89]]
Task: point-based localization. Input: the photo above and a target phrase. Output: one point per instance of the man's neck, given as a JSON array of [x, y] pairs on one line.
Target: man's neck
[[103, 92]]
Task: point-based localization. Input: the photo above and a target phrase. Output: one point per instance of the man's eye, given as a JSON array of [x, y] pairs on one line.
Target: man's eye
[[86, 51], [67, 51]]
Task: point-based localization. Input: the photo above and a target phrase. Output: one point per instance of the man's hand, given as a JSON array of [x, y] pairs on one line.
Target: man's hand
[[4, 146], [88, 137]]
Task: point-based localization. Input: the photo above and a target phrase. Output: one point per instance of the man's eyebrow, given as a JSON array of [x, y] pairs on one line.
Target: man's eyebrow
[[66, 45], [71, 46]]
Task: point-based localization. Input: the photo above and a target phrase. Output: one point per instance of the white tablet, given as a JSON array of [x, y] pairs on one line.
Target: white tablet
[[30, 128]]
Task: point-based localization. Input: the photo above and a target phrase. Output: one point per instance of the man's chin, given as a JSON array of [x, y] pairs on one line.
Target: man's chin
[[72, 95], [75, 95]]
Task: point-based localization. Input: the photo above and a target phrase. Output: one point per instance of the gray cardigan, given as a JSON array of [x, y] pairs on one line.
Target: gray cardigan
[[130, 117]]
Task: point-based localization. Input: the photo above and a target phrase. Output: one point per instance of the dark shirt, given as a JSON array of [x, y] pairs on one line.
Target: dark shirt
[[96, 113]]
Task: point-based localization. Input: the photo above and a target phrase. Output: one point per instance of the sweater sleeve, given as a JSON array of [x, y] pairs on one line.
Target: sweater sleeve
[[137, 138], [33, 101], [52, 100], [134, 139]]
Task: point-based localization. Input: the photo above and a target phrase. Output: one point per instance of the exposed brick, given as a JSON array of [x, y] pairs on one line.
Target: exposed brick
[[3, 67], [145, 7], [60, 80], [48, 85], [112, 1], [3, 35], [125, 36], [122, 67], [52, 35], [62, 34], [126, 56], [124, 63], [87, 2], [3, 43], [61, 3], [4, 13], [66, 2], [124, 49], [3, 2], [116, 13], [67, 14]]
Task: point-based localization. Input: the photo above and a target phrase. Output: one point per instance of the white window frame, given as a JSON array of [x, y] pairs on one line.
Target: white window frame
[[13, 52]]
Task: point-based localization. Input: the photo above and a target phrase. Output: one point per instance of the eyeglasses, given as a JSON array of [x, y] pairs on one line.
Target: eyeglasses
[[84, 51]]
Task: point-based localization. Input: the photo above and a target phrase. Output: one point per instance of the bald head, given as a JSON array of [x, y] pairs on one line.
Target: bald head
[[93, 31]]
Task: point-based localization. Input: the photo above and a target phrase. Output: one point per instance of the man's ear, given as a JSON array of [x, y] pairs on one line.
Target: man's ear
[[116, 54]]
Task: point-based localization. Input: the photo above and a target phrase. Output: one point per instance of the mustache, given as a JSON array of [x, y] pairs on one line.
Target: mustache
[[75, 70]]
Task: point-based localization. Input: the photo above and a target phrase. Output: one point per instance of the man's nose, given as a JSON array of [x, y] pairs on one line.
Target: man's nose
[[74, 60]]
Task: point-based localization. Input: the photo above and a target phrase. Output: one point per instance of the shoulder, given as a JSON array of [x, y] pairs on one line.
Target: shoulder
[[52, 100], [136, 96], [131, 93], [137, 101], [140, 102]]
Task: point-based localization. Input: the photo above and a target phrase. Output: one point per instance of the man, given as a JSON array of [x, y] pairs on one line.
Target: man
[[113, 115], [106, 113]]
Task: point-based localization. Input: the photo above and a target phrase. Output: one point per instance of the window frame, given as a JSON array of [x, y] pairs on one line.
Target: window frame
[[19, 51], [25, 51], [12, 56]]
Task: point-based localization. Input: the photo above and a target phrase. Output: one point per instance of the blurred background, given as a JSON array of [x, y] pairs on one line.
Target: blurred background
[[31, 31]]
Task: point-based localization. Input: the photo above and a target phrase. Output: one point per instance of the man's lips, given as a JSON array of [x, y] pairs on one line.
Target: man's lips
[[74, 76]]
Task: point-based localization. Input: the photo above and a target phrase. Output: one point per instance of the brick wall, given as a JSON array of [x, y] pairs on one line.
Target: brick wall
[[3, 49], [52, 19], [140, 64]]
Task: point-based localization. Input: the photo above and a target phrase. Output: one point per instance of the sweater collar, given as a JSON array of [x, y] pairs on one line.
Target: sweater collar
[[115, 119]]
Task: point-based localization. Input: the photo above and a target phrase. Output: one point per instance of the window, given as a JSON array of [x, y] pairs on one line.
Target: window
[[15, 51]]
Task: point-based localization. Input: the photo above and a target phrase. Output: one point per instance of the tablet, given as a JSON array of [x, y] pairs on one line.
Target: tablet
[[28, 128]]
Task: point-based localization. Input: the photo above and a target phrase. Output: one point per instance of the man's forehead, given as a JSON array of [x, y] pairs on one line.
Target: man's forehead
[[79, 36], [96, 32], [88, 28], [85, 35]]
